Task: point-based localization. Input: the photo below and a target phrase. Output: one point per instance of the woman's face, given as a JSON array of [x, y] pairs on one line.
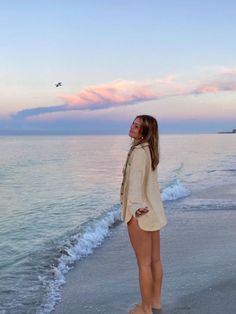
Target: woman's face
[[135, 129]]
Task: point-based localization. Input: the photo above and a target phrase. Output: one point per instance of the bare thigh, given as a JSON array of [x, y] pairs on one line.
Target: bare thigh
[[141, 242]]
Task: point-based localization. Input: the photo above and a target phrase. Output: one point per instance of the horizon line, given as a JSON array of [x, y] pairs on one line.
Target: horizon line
[[73, 132]]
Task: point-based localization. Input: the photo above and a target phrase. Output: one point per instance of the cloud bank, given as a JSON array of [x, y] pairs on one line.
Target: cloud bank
[[122, 93], [225, 81]]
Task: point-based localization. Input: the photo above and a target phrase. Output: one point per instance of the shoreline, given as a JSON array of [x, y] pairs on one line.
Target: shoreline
[[199, 268]]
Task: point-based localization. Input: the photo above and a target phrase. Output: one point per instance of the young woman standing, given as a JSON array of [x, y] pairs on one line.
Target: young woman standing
[[142, 210]]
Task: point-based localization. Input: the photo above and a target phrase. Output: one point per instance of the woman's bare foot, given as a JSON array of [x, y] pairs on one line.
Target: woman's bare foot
[[139, 310], [156, 306]]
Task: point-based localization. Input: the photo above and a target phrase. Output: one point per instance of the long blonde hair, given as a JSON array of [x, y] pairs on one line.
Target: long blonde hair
[[150, 134]]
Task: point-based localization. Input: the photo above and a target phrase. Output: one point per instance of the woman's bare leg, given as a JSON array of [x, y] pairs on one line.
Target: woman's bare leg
[[157, 271], [142, 244]]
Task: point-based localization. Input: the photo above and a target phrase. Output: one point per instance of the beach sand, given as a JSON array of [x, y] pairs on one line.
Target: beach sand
[[198, 254]]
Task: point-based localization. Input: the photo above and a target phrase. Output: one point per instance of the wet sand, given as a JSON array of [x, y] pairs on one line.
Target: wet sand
[[198, 253]]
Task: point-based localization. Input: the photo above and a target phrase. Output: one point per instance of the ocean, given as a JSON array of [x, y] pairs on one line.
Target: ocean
[[59, 200]]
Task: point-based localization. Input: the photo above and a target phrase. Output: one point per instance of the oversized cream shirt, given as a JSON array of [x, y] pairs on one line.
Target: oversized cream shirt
[[140, 188]]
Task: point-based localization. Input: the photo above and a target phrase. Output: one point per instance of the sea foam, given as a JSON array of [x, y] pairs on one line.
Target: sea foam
[[82, 245], [174, 191]]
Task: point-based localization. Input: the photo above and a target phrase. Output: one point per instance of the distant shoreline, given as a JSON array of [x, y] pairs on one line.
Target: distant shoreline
[[228, 132]]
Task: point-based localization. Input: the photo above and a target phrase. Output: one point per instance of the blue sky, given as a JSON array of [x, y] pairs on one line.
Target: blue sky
[[116, 59]]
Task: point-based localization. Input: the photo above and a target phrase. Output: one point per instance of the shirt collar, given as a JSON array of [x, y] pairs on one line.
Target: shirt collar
[[142, 145]]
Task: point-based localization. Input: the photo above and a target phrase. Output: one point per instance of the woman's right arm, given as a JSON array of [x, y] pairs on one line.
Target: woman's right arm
[[135, 200]]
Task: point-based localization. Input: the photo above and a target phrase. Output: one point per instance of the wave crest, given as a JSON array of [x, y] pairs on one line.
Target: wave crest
[[80, 245], [175, 191]]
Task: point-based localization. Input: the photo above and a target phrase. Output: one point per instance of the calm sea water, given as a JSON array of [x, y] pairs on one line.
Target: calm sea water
[[59, 200]]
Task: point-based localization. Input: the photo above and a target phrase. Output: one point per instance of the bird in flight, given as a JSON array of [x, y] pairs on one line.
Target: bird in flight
[[58, 84]]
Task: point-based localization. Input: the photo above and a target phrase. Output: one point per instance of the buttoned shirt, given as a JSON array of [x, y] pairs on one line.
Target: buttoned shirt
[[140, 189]]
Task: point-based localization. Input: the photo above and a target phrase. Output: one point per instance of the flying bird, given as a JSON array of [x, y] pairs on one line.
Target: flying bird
[[58, 84]]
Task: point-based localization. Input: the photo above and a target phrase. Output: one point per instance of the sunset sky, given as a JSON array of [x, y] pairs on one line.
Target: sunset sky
[[175, 60]]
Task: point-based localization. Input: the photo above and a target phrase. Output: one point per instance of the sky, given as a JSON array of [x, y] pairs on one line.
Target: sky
[[172, 59]]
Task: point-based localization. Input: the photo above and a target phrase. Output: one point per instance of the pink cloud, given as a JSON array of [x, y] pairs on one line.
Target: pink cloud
[[122, 92], [115, 94], [207, 89], [225, 81]]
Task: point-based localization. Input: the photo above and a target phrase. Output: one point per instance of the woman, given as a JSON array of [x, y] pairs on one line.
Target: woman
[[142, 210]]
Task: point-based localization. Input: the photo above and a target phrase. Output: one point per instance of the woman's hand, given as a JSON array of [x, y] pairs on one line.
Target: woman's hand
[[141, 211]]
